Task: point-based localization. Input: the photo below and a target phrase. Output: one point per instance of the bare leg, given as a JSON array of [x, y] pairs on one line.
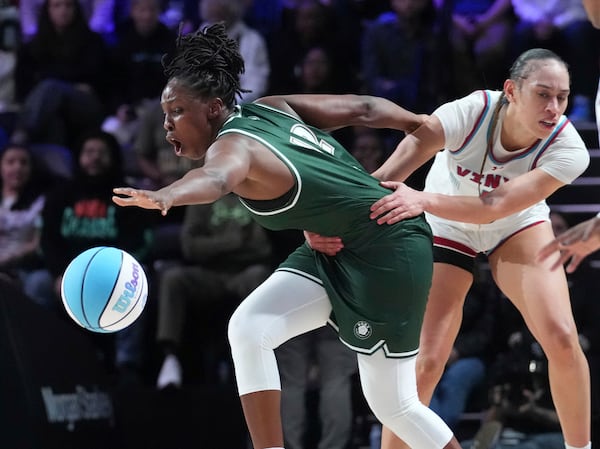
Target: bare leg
[[263, 418], [441, 323], [542, 297]]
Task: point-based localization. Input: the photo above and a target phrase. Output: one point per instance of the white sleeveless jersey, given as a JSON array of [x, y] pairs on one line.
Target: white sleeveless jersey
[[460, 168]]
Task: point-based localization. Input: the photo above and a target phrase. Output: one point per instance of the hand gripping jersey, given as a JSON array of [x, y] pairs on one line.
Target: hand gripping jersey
[[378, 284]]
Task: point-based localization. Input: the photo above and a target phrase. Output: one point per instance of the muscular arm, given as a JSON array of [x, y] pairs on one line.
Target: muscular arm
[[330, 112], [592, 7], [227, 166], [511, 197], [413, 151]]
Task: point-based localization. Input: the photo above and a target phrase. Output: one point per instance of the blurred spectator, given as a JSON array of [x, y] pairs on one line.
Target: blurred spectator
[[317, 360], [60, 77], [562, 26], [99, 14], [368, 147], [522, 415], [252, 45], [140, 43], [23, 195], [10, 33], [265, 16], [403, 58], [318, 74], [79, 214], [400, 52], [307, 25], [226, 255], [180, 15], [479, 37]]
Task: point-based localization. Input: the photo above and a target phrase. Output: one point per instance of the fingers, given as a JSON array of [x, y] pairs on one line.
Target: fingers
[[589, 229], [124, 191], [123, 201], [392, 213], [389, 218], [382, 207], [574, 263], [327, 245], [139, 198], [547, 250]]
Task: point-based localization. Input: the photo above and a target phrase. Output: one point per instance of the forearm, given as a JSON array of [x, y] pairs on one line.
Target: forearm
[[413, 151], [466, 209], [332, 112], [382, 113], [402, 162], [197, 186]]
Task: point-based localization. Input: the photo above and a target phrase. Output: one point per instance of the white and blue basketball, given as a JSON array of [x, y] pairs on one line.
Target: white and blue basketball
[[104, 289]]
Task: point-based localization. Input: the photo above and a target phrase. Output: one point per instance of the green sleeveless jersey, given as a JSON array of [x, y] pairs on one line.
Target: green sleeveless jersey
[[378, 284]]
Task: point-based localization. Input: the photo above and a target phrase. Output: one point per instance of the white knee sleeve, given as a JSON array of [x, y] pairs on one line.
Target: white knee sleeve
[[284, 306], [390, 388]]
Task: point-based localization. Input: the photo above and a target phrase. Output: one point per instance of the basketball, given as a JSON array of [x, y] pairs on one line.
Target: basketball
[[104, 289]]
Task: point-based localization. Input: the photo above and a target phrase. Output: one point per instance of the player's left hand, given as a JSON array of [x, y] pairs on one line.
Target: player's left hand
[[399, 205], [146, 199]]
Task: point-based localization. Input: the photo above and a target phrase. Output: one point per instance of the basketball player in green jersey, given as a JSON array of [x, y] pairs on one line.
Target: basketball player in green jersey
[[291, 175]]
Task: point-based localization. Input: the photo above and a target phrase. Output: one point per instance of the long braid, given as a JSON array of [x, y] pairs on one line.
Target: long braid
[[209, 62]]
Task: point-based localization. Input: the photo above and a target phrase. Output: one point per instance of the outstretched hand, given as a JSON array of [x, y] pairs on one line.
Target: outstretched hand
[[326, 245], [574, 244], [399, 205], [146, 199]]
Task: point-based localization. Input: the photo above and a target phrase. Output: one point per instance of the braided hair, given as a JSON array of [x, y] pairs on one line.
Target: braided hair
[[208, 62]]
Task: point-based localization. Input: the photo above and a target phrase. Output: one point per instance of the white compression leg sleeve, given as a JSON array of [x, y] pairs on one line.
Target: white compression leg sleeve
[[390, 388], [284, 306]]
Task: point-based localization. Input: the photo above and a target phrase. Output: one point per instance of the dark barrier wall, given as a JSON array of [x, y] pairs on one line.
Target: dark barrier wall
[[54, 393]]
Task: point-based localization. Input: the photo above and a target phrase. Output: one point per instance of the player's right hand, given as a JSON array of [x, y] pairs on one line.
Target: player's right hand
[[326, 245]]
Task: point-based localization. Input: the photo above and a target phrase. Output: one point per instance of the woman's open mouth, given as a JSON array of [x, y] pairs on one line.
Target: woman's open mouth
[[176, 145]]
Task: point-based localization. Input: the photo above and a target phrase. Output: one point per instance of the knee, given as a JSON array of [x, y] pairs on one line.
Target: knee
[[388, 412], [244, 329], [560, 342], [430, 365]]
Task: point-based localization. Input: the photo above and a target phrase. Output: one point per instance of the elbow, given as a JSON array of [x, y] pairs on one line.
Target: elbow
[[491, 211], [365, 109]]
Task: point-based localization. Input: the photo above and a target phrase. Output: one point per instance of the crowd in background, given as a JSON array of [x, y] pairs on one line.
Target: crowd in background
[[80, 85]]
